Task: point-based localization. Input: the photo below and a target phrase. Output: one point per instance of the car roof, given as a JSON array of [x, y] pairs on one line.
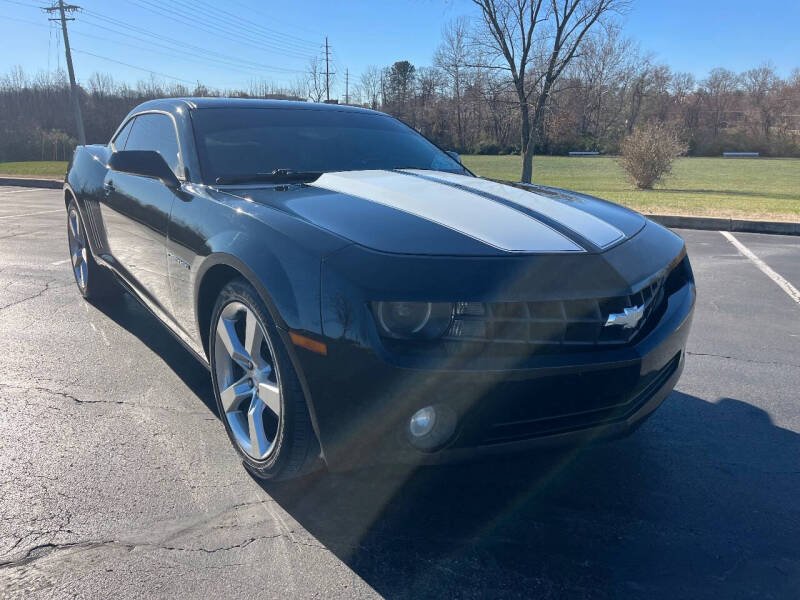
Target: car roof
[[171, 104]]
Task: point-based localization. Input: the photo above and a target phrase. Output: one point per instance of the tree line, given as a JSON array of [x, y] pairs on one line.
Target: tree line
[[484, 92]]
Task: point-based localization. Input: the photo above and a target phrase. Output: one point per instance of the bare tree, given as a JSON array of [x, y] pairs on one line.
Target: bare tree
[[764, 88], [452, 57], [370, 84], [718, 90], [315, 79], [545, 35]]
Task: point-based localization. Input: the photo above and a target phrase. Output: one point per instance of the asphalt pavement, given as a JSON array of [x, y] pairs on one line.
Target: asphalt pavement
[[117, 478]]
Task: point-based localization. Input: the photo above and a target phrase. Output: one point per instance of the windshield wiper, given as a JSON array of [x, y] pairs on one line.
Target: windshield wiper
[[276, 175]]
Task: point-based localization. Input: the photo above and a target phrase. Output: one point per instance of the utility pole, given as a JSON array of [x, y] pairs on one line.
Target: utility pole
[[327, 72], [62, 10], [347, 86]]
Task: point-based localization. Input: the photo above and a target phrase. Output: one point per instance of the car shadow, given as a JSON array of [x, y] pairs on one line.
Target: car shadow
[[701, 502], [129, 313]]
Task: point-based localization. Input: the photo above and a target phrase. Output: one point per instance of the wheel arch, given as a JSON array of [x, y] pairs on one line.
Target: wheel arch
[[218, 270], [214, 279]]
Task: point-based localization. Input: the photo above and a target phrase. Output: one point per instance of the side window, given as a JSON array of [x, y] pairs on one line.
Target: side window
[[122, 136], [153, 131]]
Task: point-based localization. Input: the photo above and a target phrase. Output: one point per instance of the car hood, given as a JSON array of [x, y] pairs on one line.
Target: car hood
[[437, 213]]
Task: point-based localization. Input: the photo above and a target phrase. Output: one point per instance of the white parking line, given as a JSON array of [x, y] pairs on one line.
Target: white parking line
[[60, 262], [5, 192], [787, 287], [41, 212]]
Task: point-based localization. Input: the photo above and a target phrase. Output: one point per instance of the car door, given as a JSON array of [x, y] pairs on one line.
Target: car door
[[136, 212]]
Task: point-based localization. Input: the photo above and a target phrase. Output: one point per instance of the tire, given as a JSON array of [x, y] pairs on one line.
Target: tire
[[94, 282], [256, 387]]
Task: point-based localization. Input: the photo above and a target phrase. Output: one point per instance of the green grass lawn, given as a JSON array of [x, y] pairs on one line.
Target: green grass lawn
[[49, 169], [763, 188]]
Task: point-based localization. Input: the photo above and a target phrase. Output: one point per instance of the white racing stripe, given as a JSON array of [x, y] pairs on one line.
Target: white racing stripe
[[787, 287], [472, 215], [595, 230]]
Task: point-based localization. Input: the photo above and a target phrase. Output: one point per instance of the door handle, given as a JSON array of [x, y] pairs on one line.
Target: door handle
[[108, 186]]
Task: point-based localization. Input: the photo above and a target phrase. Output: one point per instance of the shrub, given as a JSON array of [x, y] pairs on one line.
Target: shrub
[[648, 153]]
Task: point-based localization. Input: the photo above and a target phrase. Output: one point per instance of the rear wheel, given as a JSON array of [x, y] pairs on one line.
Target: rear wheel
[[93, 281], [256, 387]]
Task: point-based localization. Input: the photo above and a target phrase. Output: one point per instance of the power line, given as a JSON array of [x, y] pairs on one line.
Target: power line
[[291, 39], [271, 17], [119, 62], [171, 44], [166, 52], [39, 6], [217, 29], [242, 31]]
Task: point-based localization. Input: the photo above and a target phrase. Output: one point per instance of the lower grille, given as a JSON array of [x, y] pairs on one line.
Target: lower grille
[[560, 404]]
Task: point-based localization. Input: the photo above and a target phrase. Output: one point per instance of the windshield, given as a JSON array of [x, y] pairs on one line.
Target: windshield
[[239, 142]]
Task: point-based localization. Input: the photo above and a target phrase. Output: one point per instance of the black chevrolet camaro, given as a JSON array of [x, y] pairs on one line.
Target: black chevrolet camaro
[[359, 296]]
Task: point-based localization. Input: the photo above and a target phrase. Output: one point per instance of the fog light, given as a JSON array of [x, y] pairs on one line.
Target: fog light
[[422, 422], [431, 427]]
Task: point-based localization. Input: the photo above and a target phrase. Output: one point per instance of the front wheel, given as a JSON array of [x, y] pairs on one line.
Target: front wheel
[[93, 281], [257, 389]]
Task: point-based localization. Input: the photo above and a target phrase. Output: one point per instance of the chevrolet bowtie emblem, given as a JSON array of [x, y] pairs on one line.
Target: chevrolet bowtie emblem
[[628, 318]]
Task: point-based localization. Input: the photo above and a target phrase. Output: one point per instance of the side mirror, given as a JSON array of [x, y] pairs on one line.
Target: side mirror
[[454, 155], [146, 163]]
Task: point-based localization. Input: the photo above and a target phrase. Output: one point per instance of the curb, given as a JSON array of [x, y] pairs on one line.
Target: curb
[[725, 224], [54, 184]]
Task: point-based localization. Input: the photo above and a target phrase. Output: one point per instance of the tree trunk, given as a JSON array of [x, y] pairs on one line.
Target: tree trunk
[[527, 145]]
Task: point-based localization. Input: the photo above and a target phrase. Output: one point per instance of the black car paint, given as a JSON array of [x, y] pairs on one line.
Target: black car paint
[[318, 257]]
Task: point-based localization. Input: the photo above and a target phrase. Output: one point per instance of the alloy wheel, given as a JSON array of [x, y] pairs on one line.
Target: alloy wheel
[[247, 380], [77, 248]]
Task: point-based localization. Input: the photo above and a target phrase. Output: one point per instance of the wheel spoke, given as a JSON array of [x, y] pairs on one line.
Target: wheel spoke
[[226, 333], [253, 336], [77, 257], [271, 396], [259, 445], [236, 393], [73, 224]]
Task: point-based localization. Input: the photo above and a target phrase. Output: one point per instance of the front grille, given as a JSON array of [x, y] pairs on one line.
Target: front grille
[[570, 325]]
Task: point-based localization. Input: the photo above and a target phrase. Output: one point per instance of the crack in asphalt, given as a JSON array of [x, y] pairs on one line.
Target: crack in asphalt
[[13, 235], [31, 297], [42, 550], [76, 400], [45, 549], [61, 394], [747, 360]]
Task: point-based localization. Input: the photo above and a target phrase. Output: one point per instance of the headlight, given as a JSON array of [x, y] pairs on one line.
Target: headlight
[[412, 320]]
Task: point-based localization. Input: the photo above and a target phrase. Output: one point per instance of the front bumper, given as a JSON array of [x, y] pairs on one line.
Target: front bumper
[[360, 400]]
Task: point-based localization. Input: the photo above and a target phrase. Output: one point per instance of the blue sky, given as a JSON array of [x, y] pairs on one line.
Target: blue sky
[[689, 35]]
